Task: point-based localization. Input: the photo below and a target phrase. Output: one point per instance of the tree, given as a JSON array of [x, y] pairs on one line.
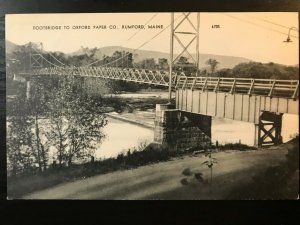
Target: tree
[[38, 107], [224, 73], [148, 63], [85, 123], [26, 148], [76, 122], [266, 71], [163, 64], [19, 137], [213, 65], [183, 65], [183, 60], [129, 60]]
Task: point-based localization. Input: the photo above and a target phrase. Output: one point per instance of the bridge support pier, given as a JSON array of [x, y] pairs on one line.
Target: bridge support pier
[[269, 129], [181, 130]]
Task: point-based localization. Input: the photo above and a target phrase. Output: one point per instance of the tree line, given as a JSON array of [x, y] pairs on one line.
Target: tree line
[[261, 70]]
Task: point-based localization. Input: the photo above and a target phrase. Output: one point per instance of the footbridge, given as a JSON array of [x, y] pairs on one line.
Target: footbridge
[[259, 101], [198, 99]]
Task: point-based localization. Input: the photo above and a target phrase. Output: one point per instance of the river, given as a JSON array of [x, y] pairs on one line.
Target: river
[[120, 136], [231, 131]]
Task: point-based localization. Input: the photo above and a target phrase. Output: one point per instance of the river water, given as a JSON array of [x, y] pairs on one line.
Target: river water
[[231, 131], [122, 135]]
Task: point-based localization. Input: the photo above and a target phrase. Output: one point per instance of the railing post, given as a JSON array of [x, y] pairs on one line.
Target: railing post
[[194, 82], [233, 86], [296, 90], [271, 91], [217, 85], [183, 86], [251, 87], [204, 85]]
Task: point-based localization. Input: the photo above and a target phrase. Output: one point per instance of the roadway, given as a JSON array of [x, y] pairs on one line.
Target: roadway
[[163, 180]]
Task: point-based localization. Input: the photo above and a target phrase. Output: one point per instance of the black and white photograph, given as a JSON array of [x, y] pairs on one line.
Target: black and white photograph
[[152, 106]]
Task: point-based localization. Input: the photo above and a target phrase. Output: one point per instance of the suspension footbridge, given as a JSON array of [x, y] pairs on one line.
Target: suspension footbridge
[[259, 101]]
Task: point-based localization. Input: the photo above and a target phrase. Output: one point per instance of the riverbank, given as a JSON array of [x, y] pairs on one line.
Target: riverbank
[[139, 156], [163, 180]]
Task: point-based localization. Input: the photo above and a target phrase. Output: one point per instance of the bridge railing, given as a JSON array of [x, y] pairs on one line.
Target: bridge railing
[[266, 87]]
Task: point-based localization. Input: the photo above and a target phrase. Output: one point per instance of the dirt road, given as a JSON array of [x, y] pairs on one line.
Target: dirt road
[[163, 180]]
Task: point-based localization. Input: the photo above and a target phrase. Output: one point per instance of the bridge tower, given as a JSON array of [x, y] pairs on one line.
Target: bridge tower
[[35, 56], [177, 129], [184, 36], [35, 62]]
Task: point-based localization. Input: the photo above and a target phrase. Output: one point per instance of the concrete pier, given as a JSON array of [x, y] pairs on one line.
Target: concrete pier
[[181, 130]]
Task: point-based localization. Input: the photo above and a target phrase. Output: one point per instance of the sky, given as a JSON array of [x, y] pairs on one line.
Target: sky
[[256, 36]]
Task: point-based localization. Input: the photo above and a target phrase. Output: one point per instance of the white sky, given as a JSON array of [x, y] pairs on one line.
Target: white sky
[[256, 39]]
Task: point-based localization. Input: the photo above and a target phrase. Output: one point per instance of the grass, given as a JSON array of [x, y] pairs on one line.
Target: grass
[[277, 182], [153, 153], [236, 146]]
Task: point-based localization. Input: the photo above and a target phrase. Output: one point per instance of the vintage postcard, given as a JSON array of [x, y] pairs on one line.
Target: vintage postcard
[[152, 106]]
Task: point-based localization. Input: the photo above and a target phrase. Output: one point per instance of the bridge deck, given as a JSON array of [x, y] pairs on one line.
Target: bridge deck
[[259, 87], [262, 87]]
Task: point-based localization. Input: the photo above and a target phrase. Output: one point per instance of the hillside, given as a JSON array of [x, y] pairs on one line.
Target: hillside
[[225, 61], [10, 47]]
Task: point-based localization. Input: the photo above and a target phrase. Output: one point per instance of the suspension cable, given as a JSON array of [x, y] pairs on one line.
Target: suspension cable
[[45, 58], [142, 45], [56, 59]]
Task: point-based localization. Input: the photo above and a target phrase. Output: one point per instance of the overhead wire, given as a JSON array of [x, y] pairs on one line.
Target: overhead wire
[[99, 60], [144, 25], [268, 21], [237, 18]]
